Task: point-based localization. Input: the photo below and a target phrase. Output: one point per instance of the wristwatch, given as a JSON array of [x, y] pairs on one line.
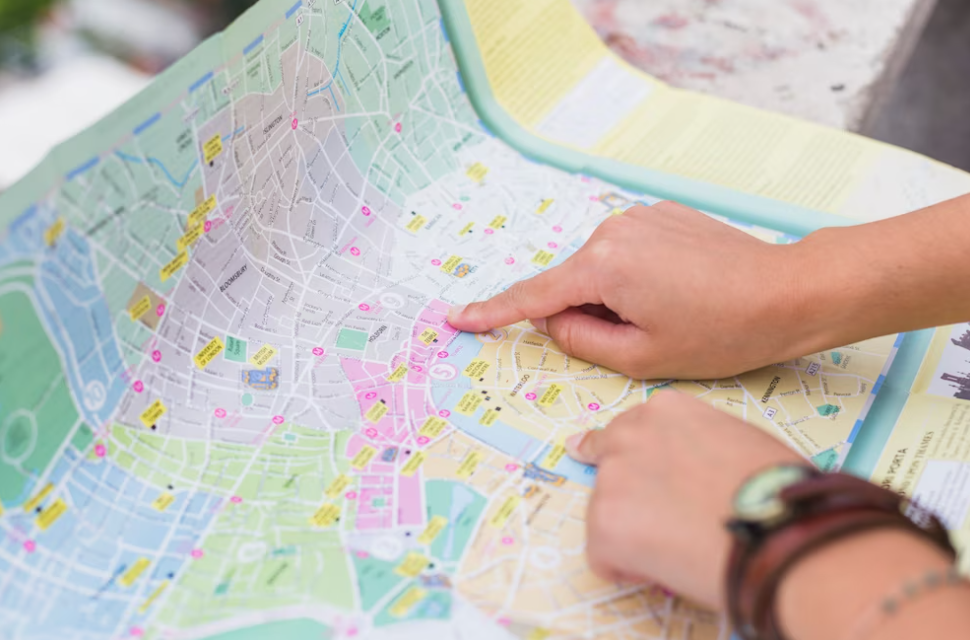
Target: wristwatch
[[784, 513]]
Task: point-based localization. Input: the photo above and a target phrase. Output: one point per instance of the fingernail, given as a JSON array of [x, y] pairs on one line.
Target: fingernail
[[573, 443], [539, 323], [455, 312]]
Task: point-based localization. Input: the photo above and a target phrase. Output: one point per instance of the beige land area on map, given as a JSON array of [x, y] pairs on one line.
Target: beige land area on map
[[549, 70], [927, 456]]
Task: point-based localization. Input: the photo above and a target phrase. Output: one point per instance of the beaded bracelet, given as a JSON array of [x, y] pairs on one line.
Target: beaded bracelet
[[911, 591]]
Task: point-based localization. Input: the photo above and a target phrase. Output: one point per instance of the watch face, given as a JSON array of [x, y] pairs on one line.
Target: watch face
[[758, 499]]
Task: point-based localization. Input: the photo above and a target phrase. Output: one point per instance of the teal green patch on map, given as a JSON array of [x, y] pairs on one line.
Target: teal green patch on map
[[235, 350], [826, 460], [836, 357], [83, 438], [33, 396], [375, 579], [827, 410], [435, 606], [463, 507], [295, 629], [352, 339], [377, 20]]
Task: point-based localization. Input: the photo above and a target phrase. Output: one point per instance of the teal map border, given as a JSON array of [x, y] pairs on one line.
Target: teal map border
[[773, 214]]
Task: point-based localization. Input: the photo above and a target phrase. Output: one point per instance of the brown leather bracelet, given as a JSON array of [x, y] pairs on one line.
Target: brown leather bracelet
[[825, 508]]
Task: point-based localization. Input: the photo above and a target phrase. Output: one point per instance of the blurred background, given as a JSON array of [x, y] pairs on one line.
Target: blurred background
[[66, 63]]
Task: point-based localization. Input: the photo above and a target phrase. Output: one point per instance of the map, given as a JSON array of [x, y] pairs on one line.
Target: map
[[231, 405]]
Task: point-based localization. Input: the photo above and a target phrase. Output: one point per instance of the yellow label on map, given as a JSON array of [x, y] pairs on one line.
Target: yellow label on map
[[212, 148], [375, 413], [469, 403], [451, 264], [363, 457], [163, 502], [405, 603], [543, 258], [432, 427], [413, 464], [134, 571], [140, 308], [544, 206], [264, 355], [51, 514], [338, 486], [1, 508], [54, 232], [325, 516], [172, 267], [469, 464], [398, 374], [498, 222], [491, 415], [555, 455], [152, 598], [201, 212], [209, 352], [550, 395], [538, 634], [468, 227], [476, 368], [435, 526], [616, 211], [505, 512], [34, 502], [477, 172], [190, 237], [417, 222], [414, 563], [428, 336], [151, 415]]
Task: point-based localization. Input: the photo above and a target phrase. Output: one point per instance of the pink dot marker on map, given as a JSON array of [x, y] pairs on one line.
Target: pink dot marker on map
[[296, 123], [363, 555], [30, 546], [510, 260], [197, 553], [354, 251], [436, 262], [318, 351], [363, 306], [160, 310], [100, 450], [557, 229], [136, 632], [139, 386], [504, 622], [417, 368], [220, 413], [351, 495], [442, 354], [370, 395], [489, 232], [593, 406], [365, 210], [398, 127], [208, 226], [235, 500], [530, 396], [444, 413], [457, 206], [370, 432], [157, 355], [278, 419], [508, 540], [553, 245], [423, 440], [511, 467]]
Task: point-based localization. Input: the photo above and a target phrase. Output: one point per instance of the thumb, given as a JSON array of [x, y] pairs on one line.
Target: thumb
[[544, 295], [587, 447]]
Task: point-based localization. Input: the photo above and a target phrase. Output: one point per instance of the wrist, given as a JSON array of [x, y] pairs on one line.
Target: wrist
[[827, 592]]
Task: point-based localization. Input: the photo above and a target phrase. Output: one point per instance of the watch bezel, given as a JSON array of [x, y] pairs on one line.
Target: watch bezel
[[768, 508]]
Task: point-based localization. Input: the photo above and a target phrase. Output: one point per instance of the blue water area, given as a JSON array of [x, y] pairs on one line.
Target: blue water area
[[70, 582]]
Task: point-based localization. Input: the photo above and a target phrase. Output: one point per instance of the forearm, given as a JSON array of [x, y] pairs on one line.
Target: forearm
[[832, 594], [901, 274]]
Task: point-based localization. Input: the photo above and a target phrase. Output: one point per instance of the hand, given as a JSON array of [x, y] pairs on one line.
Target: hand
[[668, 471], [662, 292]]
